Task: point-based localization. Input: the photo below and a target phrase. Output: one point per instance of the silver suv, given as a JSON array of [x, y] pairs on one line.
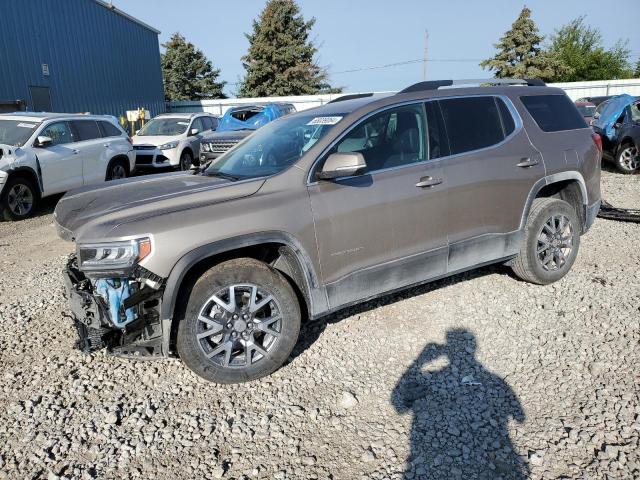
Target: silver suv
[[326, 208], [42, 154]]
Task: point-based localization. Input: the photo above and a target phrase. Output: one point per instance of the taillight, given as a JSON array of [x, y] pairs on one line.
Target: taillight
[[597, 139]]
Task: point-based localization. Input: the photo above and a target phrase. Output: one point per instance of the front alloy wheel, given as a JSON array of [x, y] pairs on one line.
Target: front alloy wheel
[[239, 325], [241, 322], [19, 199]]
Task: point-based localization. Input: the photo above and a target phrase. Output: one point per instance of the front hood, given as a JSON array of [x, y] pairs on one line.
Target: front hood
[[93, 212], [228, 135], [154, 140]]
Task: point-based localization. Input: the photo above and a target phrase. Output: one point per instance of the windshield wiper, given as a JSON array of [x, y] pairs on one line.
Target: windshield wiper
[[218, 173]]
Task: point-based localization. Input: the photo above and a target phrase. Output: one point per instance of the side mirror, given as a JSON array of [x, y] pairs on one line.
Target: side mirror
[[193, 131], [340, 165], [137, 131], [43, 142]]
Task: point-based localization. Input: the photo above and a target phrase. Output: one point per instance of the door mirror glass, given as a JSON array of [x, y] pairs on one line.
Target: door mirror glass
[[193, 131], [340, 165], [43, 142]]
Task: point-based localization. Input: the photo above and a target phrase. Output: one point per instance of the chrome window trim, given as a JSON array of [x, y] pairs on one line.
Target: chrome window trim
[[510, 106]]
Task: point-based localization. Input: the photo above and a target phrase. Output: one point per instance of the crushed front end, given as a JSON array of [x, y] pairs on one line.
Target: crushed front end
[[119, 311]]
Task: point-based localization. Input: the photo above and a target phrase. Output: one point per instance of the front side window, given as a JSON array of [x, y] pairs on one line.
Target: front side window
[[472, 123], [164, 127], [58, 132], [635, 112], [274, 147], [389, 139], [16, 132], [86, 130]]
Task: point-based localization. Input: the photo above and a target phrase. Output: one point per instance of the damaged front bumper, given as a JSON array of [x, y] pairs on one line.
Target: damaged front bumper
[[137, 333]]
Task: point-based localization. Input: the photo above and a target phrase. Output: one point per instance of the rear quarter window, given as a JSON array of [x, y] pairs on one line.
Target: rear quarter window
[[109, 129], [553, 113]]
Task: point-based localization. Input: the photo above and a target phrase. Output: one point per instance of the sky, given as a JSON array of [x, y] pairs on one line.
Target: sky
[[357, 34]]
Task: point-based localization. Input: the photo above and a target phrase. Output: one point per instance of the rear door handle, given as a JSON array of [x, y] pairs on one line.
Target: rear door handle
[[527, 162], [426, 182]]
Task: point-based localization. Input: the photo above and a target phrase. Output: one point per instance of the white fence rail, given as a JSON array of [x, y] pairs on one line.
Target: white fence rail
[[574, 90]]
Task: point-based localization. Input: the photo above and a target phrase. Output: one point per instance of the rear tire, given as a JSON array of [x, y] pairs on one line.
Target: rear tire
[[117, 170], [627, 160], [550, 243], [19, 198], [241, 322]]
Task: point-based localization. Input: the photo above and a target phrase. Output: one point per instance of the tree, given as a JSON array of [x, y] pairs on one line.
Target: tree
[[636, 74], [520, 54], [579, 47], [187, 73], [280, 60]]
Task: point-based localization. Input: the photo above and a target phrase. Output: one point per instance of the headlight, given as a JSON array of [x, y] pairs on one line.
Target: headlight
[[168, 145], [206, 147], [113, 255]]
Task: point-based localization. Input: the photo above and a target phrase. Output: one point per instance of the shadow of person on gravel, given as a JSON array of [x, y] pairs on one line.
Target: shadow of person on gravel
[[460, 415]]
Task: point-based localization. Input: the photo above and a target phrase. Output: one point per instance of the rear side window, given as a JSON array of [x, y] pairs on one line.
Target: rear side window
[[109, 129], [472, 123], [86, 129], [553, 113]]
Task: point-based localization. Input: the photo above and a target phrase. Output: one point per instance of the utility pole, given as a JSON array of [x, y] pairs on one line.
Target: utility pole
[[426, 52]]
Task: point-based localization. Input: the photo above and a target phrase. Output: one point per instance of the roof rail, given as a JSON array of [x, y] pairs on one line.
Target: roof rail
[[436, 84], [351, 97]]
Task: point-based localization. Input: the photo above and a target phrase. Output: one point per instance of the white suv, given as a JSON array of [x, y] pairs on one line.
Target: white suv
[[172, 140], [42, 154]]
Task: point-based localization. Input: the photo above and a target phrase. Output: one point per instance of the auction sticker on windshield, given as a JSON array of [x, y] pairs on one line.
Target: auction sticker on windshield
[[26, 125], [325, 121]]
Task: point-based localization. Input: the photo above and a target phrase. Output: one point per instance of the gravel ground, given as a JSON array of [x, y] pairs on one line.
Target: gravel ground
[[476, 376]]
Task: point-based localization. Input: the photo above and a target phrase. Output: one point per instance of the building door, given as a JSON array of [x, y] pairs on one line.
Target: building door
[[40, 99]]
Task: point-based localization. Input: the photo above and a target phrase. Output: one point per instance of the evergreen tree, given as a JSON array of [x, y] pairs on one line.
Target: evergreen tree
[[636, 74], [280, 60], [579, 48], [187, 73], [520, 54]]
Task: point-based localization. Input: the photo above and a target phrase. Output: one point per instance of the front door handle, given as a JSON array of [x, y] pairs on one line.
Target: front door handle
[[75, 152], [429, 181], [527, 162]]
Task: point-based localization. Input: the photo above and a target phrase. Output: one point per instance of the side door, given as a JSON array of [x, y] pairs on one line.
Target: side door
[[491, 170], [94, 150], [194, 140], [60, 162], [385, 229]]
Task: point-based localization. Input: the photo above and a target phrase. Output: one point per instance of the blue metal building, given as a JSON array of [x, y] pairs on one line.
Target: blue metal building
[[77, 56]]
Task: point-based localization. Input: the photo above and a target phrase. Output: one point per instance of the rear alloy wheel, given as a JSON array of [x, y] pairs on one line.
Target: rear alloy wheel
[[19, 199], [241, 323], [550, 244], [117, 171], [185, 161], [628, 160]]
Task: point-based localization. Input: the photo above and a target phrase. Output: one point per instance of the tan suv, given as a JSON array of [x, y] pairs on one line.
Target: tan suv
[[327, 208]]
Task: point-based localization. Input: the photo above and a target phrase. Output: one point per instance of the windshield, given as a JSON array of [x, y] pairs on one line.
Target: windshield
[[164, 126], [16, 132], [274, 147], [587, 110]]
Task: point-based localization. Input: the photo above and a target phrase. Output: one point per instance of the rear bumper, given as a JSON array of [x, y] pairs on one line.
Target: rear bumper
[[96, 331], [591, 212]]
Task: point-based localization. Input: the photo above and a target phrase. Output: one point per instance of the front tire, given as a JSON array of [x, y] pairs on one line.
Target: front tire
[[19, 198], [185, 161], [550, 243], [627, 159], [241, 322]]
